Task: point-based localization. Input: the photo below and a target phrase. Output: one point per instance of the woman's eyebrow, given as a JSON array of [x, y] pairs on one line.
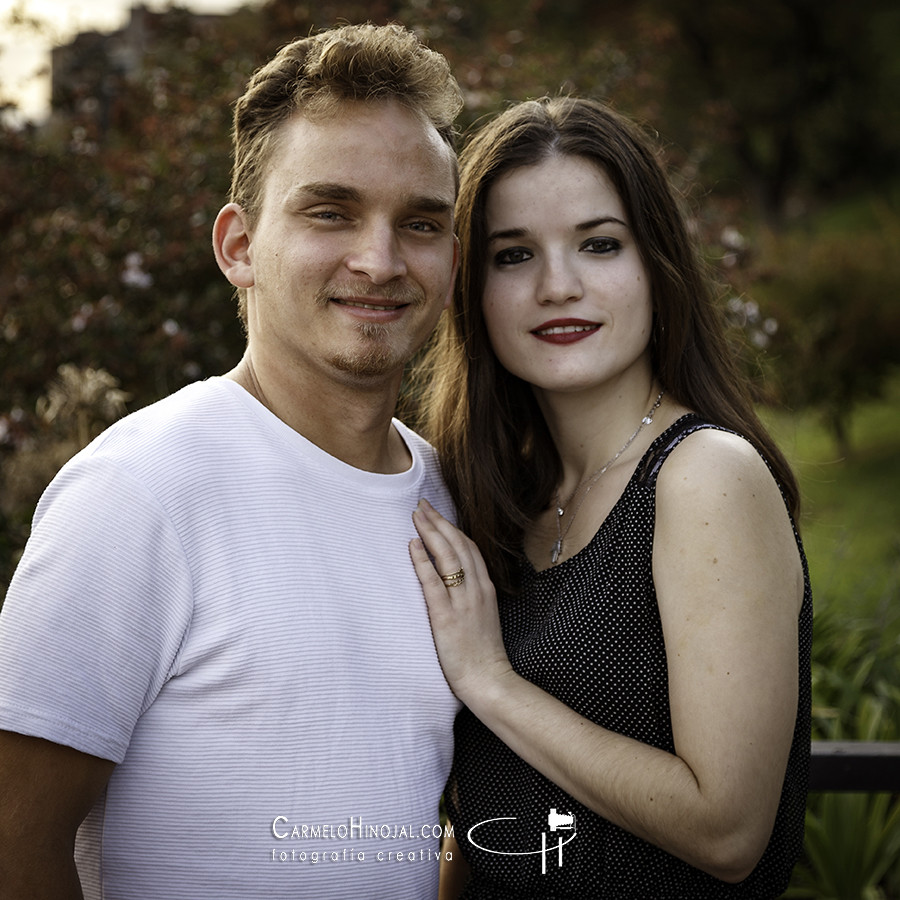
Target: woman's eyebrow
[[600, 220], [507, 234], [514, 233]]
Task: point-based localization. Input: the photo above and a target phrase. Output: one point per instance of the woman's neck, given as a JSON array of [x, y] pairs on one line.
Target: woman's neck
[[599, 429]]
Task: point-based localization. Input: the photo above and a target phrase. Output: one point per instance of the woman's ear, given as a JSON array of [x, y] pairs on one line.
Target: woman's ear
[[231, 243]]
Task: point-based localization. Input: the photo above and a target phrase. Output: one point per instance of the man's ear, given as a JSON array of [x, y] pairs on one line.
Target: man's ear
[[231, 243]]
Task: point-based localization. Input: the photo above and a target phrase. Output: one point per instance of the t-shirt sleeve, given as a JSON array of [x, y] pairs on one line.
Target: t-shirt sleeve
[[96, 612]]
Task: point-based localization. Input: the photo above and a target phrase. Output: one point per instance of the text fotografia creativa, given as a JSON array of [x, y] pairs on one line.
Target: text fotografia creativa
[[353, 855]]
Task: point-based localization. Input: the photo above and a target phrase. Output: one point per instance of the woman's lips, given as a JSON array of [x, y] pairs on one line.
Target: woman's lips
[[565, 331]]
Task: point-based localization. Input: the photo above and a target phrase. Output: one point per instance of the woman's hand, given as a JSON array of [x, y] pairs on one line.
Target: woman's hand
[[464, 618]]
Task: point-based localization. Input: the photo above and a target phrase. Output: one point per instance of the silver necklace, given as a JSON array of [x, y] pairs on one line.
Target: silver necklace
[[589, 482]]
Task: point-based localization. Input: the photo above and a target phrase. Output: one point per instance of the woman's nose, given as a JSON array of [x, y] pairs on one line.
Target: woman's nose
[[560, 282]]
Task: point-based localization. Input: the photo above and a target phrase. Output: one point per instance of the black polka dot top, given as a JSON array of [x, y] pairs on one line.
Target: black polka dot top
[[588, 631]]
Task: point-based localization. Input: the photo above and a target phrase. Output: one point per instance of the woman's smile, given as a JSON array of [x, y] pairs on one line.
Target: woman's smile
[[565, 331]]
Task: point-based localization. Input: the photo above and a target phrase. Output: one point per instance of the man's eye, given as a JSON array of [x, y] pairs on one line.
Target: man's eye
[[325, 215], [423, 226]]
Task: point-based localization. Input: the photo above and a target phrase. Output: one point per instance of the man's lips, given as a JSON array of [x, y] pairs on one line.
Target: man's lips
[[373, 310], [370, 303], [565, 331]]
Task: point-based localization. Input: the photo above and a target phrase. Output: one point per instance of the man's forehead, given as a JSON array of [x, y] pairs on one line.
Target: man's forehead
[[330, 113], [346, 151]]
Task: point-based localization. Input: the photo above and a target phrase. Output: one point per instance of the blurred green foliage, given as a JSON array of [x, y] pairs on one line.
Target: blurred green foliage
[[852, 842], [851, 531]]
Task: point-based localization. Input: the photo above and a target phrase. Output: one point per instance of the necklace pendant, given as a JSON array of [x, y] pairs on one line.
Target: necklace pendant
[[588, 483]]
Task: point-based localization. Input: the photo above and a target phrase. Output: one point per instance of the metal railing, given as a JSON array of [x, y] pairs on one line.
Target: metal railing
[[865, 766]]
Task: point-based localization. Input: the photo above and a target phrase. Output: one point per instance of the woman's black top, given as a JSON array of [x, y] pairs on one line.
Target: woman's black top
[[588, 631]]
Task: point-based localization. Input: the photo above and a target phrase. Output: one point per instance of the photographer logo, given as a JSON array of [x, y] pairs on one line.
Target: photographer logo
[[556, 822]]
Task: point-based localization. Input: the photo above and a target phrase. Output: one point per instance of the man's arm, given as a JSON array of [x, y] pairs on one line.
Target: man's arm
[[454, 870], [46, 790]]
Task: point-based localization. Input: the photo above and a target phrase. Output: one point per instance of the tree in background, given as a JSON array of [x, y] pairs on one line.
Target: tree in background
[[788, 96], [106, 222], [835, 296]]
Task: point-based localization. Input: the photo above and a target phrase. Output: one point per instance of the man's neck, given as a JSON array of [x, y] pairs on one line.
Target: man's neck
[[349, 422]]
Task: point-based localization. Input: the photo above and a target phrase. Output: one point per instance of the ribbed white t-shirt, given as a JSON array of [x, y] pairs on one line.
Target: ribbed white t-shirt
[[231, 615]]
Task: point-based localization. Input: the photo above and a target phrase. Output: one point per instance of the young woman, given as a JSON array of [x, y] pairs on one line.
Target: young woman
[[643, 667]]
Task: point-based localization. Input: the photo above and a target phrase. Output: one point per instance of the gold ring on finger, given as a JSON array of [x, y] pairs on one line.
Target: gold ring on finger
[[454, 578]]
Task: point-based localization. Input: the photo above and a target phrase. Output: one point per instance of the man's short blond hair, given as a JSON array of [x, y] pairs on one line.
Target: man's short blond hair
[[314, 75]]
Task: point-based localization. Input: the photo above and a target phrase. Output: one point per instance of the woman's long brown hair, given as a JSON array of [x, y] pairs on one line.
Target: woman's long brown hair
[[499, 460]]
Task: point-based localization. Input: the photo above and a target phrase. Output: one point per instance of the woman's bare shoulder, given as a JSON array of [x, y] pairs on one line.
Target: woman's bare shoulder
[[709, 455], [714, 467]]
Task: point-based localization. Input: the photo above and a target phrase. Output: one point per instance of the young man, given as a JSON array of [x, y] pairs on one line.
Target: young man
[[218, 676]]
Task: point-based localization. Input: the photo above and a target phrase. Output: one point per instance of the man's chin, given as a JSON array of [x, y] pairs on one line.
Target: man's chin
[[368, 365]]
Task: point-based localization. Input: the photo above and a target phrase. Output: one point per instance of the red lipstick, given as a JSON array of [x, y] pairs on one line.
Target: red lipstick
[[565, 331]]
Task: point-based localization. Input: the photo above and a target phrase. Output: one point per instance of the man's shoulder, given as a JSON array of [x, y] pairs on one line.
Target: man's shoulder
[[160, 456], [177, 434], [198, 408]]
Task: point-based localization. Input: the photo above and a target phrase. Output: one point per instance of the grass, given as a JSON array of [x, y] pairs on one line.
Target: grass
[[851, 515]]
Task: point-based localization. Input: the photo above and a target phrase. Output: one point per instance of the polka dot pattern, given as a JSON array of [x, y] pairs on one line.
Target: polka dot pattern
[[589, 632]]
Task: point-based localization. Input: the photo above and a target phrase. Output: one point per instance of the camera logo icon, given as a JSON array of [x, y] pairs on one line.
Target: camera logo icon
[[557, 821]]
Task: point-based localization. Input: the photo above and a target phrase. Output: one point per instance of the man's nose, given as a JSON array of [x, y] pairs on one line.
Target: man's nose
[[377, 253]]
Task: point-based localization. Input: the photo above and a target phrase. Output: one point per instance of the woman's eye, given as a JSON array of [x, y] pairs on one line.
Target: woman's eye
[[602, 245], [511, 256]]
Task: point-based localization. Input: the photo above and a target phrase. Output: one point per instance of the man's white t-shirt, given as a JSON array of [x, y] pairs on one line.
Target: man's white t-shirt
[[232, 616]]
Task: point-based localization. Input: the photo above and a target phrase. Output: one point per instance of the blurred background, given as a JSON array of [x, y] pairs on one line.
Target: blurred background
[[779, 122]]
